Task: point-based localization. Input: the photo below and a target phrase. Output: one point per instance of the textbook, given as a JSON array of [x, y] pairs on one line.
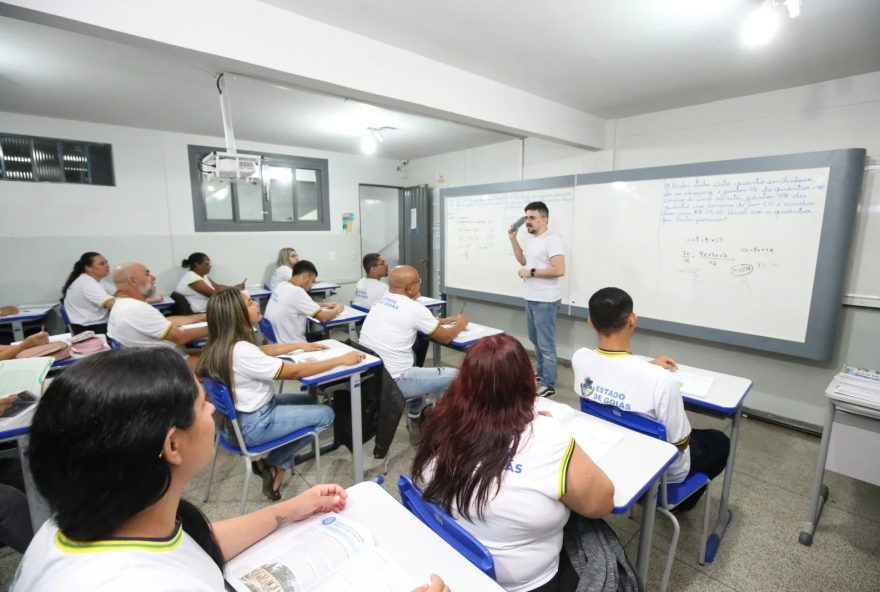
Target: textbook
[[325, 553], [17, 376]]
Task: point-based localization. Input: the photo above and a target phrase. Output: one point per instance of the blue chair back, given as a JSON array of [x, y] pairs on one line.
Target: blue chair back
[[219, 396], [267, 330], [442, 524], [114, 344], [628, 419], [64, 316]]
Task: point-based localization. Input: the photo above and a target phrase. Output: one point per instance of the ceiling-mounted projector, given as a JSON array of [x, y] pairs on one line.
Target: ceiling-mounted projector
[[231, 168]]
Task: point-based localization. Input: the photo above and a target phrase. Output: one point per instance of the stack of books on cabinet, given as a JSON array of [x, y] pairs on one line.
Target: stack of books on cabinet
[[859, 383]]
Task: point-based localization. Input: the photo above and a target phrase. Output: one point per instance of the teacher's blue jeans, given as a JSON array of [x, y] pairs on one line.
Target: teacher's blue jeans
[[541, 321], [281, 416]]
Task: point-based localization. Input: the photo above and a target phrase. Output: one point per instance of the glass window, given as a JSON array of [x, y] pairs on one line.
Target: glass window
[[47, 160], [289, 193]]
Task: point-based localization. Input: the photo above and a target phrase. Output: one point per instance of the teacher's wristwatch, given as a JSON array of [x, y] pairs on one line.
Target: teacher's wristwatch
[[532, 272]]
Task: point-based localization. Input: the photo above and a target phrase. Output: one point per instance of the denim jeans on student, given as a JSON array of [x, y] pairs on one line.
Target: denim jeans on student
[[416, 382], [280, 416], [541, 321]]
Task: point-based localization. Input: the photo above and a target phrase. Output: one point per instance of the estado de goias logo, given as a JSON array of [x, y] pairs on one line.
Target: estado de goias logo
[[587, 387]]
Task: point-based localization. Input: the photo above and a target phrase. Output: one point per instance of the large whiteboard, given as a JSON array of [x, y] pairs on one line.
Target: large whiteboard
[[750, 252]]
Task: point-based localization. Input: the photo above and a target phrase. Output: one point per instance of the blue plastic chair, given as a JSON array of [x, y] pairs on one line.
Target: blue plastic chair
[[266, 329], [114, 344], [219, 396], [442, 524], [670, 494], [65, 318]]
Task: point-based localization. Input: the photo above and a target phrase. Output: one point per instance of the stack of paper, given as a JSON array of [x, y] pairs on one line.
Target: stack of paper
[[859, 383]]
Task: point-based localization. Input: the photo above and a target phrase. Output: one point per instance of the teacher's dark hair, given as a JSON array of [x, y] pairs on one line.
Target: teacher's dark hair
[[193, 260], [537, 206], [79, 268], [474, 432], [610, 309], [97, 436]]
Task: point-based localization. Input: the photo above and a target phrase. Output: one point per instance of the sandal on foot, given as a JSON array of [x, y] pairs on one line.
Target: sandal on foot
[[268, 483], [257, 468]]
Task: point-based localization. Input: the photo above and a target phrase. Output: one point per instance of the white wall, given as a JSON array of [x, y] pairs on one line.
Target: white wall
[[148, 215], [837, 114]]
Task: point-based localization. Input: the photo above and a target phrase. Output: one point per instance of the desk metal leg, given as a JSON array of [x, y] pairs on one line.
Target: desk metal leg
[[649, 507], [436, 353], [352, 332], [820, 492], [37, 506], [17, 332], [357, 435], [725, 514]]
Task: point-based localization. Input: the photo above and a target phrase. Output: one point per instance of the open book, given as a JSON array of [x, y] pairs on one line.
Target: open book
[[593, 438], [326, 553], [22, 375]]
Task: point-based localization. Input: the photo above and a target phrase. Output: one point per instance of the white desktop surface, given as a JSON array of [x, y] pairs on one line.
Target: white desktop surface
[[473, 333], [413, 545], [726, 393], [28, 312], [334, 348], [348, 315], [634, 461]]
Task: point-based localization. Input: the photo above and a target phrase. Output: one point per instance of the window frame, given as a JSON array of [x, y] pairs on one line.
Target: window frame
[[59, 153], [200, 215]]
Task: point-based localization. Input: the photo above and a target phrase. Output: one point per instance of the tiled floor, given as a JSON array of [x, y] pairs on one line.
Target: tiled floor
[[760, 552]]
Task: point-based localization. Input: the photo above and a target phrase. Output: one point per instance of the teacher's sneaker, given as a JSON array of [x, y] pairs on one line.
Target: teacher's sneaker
[[546, 391]]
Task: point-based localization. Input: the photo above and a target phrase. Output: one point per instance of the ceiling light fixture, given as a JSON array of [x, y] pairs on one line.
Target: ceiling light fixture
[[761, 25], [374, 137]]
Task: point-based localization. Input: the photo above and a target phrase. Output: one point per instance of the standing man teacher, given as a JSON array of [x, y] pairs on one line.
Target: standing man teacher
[[543, 262]]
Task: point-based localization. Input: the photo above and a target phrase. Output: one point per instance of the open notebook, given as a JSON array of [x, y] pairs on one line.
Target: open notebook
[[593, 438]]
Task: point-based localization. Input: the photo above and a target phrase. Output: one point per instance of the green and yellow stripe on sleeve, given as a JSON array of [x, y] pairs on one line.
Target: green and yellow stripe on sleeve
[[563, 469]]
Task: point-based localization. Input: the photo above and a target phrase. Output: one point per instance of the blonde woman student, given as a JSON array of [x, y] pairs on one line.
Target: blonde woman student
[[287, 258]]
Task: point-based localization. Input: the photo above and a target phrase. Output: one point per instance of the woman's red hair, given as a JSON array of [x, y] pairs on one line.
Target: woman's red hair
[[474, 432]]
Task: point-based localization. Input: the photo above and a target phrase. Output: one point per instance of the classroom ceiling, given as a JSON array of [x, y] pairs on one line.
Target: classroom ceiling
[[616, 58], [55, 73]]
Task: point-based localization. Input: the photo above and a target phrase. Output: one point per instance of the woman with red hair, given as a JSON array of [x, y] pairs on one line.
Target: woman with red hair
[[507, 474]]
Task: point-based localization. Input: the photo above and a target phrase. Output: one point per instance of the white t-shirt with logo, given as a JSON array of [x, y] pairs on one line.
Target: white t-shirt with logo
[[53, 562], [368, 291], [522, 525], [252, 374], [538, 251], [134, 323], [282, 273], [288, 310], [390, 330], [634, 384], [197, 302], [85, 300]]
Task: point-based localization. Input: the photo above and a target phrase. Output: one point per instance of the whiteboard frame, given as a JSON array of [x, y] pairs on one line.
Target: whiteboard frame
[[835, 241]]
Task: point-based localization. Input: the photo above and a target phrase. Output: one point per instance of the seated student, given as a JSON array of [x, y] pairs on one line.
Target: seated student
[[86, 299], [390, 330], [134, 323], [290, 305], [287, 258], [114, 487], [195, 284], [643, 387], [8, 352], [505, 473], [15, 517], [371, 287], [233, 358]]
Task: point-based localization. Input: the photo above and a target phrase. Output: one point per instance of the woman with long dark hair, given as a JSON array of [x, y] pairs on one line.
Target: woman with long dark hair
[[506, 473], [233, 358], [86, 300], [195, 284], [114, 441], [287, 258]]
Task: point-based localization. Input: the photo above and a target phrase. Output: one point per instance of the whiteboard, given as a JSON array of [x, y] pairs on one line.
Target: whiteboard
[[863, 284], [478, 254], [749, 252], [729, 252]]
